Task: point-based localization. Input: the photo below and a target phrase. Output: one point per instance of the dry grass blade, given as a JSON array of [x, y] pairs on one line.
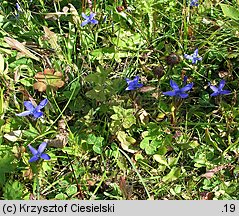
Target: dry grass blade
[[14, 44]]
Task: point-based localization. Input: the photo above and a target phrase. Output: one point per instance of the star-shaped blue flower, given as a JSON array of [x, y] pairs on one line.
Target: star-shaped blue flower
[[31, 110], [194, 3], [177, 92], [89, 19], [219, 91], [194, 57], [133, 84], [39, 153]]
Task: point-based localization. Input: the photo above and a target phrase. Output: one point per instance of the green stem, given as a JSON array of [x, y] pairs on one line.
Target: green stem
[[38, 183], [137, 172]]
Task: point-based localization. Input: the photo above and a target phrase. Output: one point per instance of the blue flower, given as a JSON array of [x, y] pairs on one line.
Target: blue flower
[[37, 154], [89, 19], [18, 7], [133, 84], [177, 91], [193, 57], [31, 110], [194, 3], [219, 91]]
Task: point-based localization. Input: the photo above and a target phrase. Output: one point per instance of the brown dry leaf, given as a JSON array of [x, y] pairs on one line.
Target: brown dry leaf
[[14, 44], [62, 138], [59, 142], [40, 86], [209, 174], [224, 74], [19, 151], [28, 174], [146, 89], [48, 78]]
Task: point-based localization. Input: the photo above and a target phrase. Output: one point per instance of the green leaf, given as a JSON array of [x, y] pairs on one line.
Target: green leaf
[[104, 53], [71, 190], [13, 191], [230, 11], [97, 143], [178, 189], [144, 143], [123, 116], [6, 166], [61, 196], [97, 149], [161, 159], [150, 147], [172, 175]]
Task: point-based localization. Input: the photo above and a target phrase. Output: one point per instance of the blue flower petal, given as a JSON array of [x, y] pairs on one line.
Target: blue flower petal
[[225, 92], [194, 61], [129, 88], [91, 15], [42, 147], [37, 114], [195, 54], [85, 23], [194, 3], [25, 113], [136, 79], [42, 104], [94, 21], [188, 57], [133, 84], [221, 84], [169, 93], [85, 16], [185, 78], [183, 95], [34, 158], [128, 80], [29, 106], [214, 94], [45, 156], [139, 85], [214, 88], [187, 87], [33, 150], [174, 85]]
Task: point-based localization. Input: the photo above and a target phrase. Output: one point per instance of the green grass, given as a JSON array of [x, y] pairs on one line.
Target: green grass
[[106, 142]]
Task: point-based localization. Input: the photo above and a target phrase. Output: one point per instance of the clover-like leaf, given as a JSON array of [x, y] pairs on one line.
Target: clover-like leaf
[[48, 78]]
